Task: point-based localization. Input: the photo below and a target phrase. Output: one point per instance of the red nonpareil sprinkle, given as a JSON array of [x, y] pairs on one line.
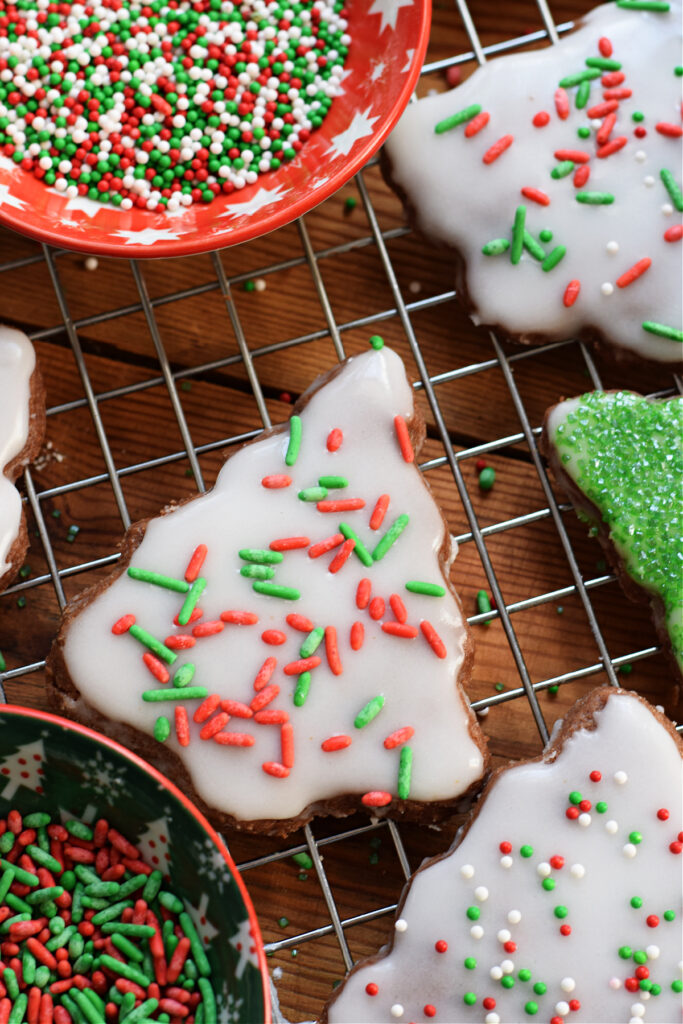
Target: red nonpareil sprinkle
[[403, 437], [611, 79], [194, 566], [395, 739], [379, 511], [295, 668], [323, 546], [371, 988], [572, 813], [357, 636], [398, 608], [341, 505], [477, 123], [334, 440], [574, 1005], [581, 175], [557, 862], [214, 725], [401, 629], [674, 131], [641, 972], [363, 592], [480, 465], [299, 622], [617, 94], [274, 637], [289, 543], [540, 119], [675, 847], [505, 847], [510, 946], [603, 109], [264, 673], [208, 628], [536, 196], [182, 726], [274, 768], [234, 739], [332, 651], [595, 776], [663, 814], [342, 555], [605, 130], [264, 697], [123, 624], [269, 717], [433, 639], [338, 742], [441, 946], [631, 985], [565, 929], [237, 618], [237, 708], [499, 147], [605, 46], [376, 798], [634, 272], [571, 293], [377, 607], [196, 614], [156, 667], [429, 1010], [578, 156], [287, 745], [180, 642], [557, 1020], [206, 708], [489, 1003], [652, 921], [276, 480], [562, 104]]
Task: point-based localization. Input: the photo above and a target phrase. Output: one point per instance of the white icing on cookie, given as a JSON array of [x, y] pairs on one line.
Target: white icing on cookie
[[17, 362], [463, 202], [605, 902], [419, 687]]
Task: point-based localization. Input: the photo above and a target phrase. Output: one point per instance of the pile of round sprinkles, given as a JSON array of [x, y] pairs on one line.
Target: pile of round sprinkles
[[165, 103]]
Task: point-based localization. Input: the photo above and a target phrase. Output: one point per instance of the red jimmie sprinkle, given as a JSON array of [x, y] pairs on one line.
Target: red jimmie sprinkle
[[339, 742], [562, 104], [180, 642], [401, 629], [379, 511], [581, 175], [208, 628], [674, 131], [196, 614], [156, 667], [398, 608], [300, 622], [274, 768], [674, 234], [363, 592], [395, 739], [497, 149], [577, 155], [295, 668], [123, 624], [264, 673], [182, 726], [236, 708], [617, 94], [287, 745], [540, 119], [289, 543], [634, 272], [274, 637], [376, 798], [605, 130], [276, 480], [342, 555], [332, 651], [239, 618], [611, 79], [265, 696], [341, 505], [613, 146], [476, 124], [323, 546], [357, 636], [603, 109], [206, 708], [536, 196], [335, 439], [403, 438], [234, 739], [214, 725], [571, 293], [433, 639], [605, 46], [196, 562], [377, 608], [270, 717]]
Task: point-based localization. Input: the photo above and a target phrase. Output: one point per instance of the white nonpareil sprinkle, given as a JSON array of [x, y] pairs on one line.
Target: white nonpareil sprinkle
[[401, 925], [567, 984], [621, 778], [397, 1010]]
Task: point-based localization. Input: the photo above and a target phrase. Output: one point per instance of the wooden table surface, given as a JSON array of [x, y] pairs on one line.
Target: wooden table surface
[[73, 489]]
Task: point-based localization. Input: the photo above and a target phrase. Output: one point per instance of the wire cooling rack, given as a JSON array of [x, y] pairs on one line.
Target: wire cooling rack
[[338, 924]]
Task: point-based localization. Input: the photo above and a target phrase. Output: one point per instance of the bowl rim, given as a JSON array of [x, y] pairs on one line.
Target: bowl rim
[[159, 777], [197, 244]]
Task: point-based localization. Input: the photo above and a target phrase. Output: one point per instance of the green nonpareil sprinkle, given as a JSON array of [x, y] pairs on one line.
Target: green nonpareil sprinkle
[[295, 431], [390, 537], [518, 234], [658, 6], [333, 482], [562, 169], [457, 119], [377, 342], [428, 589], [184, 675], [532, 246], [257, 572], [405, 767], [302, 860], [302, 687], [569, 81], [275, 590], [154, 645], [554, 257], [159, 580], [162, 729], [190, 602], [662, 330], [261, 556], [175, 693], [313, 494], [360, 549], [495, 247], [603, 63], [595, 198], [671, 185], [370, 711], [582, 95], [312, 642]]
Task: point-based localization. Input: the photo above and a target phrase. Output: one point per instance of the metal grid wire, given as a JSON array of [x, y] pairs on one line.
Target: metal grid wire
[[429, 384]]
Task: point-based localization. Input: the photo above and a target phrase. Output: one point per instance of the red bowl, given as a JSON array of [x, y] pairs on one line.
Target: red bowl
[[389, 40]]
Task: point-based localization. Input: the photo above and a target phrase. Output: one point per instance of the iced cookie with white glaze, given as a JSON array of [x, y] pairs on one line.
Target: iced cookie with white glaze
[[289, 644], [561, 899], [22, 426], [619, 456], [555, 176]]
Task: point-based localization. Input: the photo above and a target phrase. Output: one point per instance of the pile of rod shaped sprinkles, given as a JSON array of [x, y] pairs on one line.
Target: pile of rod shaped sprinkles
[[166, 103]]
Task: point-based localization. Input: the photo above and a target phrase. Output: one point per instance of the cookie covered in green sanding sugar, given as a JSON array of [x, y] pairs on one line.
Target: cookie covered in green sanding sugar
[[624, 453]]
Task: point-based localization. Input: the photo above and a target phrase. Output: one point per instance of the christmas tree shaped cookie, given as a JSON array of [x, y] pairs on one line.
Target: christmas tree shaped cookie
[[620, 458], [22, 425], [289, 643], [560, 902]]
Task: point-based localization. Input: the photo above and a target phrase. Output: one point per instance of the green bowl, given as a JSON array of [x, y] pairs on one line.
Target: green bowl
[[48, 763]]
